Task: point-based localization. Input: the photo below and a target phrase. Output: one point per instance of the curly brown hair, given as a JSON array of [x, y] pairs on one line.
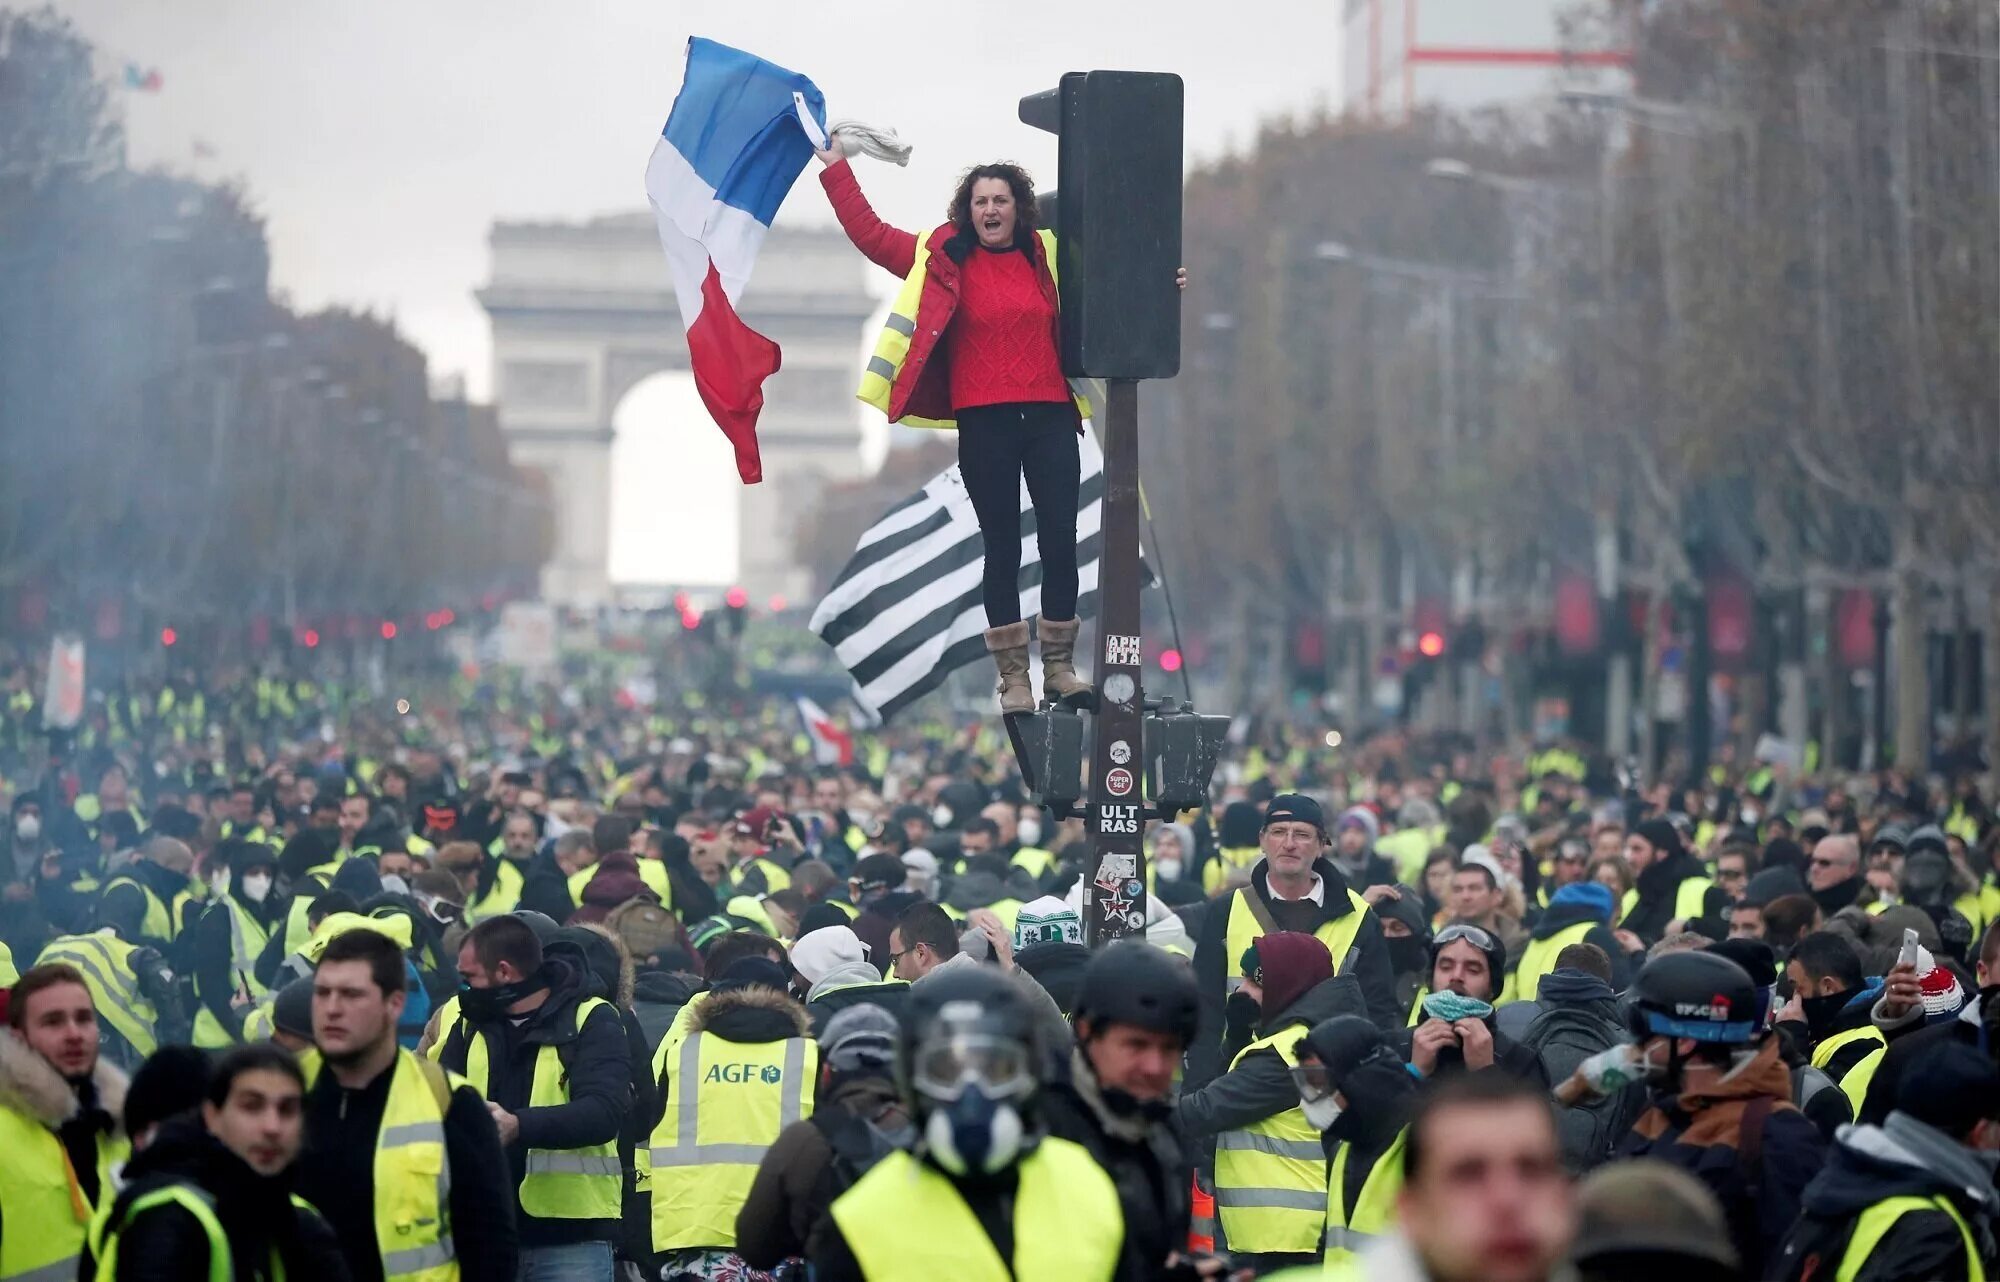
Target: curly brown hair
[[1027, 214]]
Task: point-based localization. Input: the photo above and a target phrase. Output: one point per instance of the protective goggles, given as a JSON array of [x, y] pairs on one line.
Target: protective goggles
[[945, 1068], [1312, 1082], [1477, 937]]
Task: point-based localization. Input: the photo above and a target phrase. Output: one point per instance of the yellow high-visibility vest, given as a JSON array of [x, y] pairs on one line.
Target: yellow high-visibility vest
[[1854, 1082], [158, 923], [651, 871], [892, 347], [1350, 1229], [198, 1204], [726, 1103], [105, 962], [559, 1184], [1270, 1176], [905, 1222], [1690, 898], [1539, 958], [1875, 1223], [412, 1171], [42, 1206], [1244, 929], [503, 897], [247, 938]]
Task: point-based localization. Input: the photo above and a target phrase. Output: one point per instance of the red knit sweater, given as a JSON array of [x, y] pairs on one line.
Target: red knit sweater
[[1001, 341]]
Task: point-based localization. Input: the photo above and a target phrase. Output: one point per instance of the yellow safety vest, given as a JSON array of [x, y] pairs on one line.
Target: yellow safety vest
[[1244, 929], [502, 898], [1348, 1232], [905, 1222], [726, 1103], [447, 1020], [197, 1203], [158, 923], [8, 974], [1036, 862], [559, 1184], [1227, 860], [246, 941], [878, 379], [41, 1204], [1689, 898], [1854, 1082], [1539, 958], [775, 875], [1877, 1220], [411, 1171], [105, 962], [1270, 1176], [651, 871], [1417, 1007]]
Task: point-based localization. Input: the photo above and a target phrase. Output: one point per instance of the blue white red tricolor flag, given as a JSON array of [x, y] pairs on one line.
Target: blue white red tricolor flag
[[740, 131]]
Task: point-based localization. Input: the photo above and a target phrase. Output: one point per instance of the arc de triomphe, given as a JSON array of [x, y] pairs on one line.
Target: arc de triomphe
[[582, 312]]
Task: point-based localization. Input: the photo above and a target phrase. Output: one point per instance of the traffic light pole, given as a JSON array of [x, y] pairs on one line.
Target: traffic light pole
[[1114, 896]]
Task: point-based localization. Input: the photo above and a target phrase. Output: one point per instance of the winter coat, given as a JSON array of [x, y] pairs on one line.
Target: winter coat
[[1703, 1134], [545, 889], [30, 1085], [1142, 1154], [1579, 1016], [1659, 891], [1058, 968], [1509, 1056], [1051, 1025], [616, 881], [1907, 1048], [1557, 918], [854, 984], [797, 1180], [1901, 1158], [1371, 969], [875, 920], [597, 1070], [167, 1244], [1261, 1086], [657, 998]]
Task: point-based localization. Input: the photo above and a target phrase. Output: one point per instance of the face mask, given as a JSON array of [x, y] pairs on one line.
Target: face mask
[[974, 1133], [483, 1004], [941, 816], [1822, 1012], [1751, 815], [395, 885], [1407, 954], [1321, 1114], [256, 886], [218, 883], [1167, 869], [1029, 831], [1451, 1007], [28, 828]]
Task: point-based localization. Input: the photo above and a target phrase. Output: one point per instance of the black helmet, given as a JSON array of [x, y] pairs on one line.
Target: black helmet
[[1131, 982], [1697, 995], [544, 926]]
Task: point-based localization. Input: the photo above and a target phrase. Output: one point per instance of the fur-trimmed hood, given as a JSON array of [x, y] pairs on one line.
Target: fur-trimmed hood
[[753, 1014], [30, 1084]]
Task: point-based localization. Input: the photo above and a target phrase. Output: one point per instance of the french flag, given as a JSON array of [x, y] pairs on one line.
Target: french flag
[[740, 131]]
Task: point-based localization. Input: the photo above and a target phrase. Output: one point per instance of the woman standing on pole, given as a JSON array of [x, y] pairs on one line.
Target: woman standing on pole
[[971, 342]]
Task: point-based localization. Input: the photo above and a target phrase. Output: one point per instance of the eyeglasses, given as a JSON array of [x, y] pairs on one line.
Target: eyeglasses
[[1473, 934]]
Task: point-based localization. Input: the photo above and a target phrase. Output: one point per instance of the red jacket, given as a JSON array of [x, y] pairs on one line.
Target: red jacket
[[923, 384]]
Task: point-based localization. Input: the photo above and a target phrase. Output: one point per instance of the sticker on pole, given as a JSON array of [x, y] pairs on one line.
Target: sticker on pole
[[1114, 870], [1118, 781], [1121, 752], [1121, 651], [1116, 820]]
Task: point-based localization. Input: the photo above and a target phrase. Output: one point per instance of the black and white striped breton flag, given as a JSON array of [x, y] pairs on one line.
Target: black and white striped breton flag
[[905, 610]]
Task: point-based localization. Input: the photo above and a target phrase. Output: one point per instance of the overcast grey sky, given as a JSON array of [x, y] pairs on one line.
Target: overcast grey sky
[[381, 138]]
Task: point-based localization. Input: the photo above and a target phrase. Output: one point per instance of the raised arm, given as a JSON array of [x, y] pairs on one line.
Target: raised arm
[[891, 249]]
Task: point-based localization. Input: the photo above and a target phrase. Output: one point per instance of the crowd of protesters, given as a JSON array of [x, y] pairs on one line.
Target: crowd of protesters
[[544, 981]]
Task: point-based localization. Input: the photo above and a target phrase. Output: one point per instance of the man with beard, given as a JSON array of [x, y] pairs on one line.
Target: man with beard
[[1455, 1026], [59, 1105], [374, 1110], [1829, 1013], [210, 1197]]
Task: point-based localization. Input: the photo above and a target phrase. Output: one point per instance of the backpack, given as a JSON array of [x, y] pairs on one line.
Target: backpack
[[1562, 1037], [857, 1144], [643, 925]]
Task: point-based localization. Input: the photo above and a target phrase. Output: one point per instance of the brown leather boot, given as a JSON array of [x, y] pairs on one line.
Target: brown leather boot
[[1009, 647], [1059, 679]]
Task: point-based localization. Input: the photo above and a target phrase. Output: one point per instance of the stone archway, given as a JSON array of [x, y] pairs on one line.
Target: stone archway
[[582, 312]]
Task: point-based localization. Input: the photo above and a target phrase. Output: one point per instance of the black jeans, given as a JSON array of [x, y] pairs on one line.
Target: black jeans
[[997, 446]]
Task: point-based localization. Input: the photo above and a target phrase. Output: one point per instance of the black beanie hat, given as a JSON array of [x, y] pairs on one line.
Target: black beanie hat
[[1954, 1088], [172, 1081], [1660, 835]]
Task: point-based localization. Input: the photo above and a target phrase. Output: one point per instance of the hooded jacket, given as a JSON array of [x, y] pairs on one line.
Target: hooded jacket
[[545, 888], [597, 1067], [1371, 970], [1138, 1149], [1659, 888], [167, 1244], [617, 880], [1901, 1158], [1058, 968], [77, 1114], [657, 997], [796, 1183], [1703, 1134], [1367, 868], [1557, 918], [1185, 887], [851, 984], [1915, 1041]]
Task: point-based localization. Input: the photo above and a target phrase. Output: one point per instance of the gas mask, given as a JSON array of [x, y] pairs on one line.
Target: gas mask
[[972, 1089]]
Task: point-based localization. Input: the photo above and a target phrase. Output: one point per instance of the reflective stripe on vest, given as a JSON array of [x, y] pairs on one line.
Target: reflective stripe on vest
[[1270, 1176], [1539, 958], [1417, 1007], [559, 1184], [1374, 1210], [1244, 929], [47, 1215], [892, 346], [221, 1267], [730, 1100], [1854, 1082], [905, 1222], [246, 940], [1875, 1223], [105, 962]]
